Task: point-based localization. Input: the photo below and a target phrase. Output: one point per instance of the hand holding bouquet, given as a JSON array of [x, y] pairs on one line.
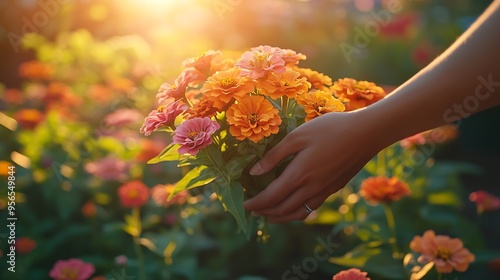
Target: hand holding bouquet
[[225, 113]]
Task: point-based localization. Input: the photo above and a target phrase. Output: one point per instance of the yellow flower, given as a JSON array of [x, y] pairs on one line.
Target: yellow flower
[[253, 117], [358, 94], [318, 80], [288, 83], [226, 85], [317, 103]]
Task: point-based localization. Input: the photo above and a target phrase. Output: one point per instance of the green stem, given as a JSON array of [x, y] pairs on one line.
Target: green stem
[[216, 165], [284, 105], [392, 227], [440, 276], [137, 243]]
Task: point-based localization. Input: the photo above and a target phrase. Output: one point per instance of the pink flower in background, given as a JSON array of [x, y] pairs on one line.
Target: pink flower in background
[[177, 90], [351, 274], [194, 134], [260, 61], [160, 194], [485, 201], [121, 260], [163, 116], [122, 117], [72, 269], [109, 168]]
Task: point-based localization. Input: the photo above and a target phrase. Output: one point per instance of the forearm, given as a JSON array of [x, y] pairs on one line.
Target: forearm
[[463, 80]]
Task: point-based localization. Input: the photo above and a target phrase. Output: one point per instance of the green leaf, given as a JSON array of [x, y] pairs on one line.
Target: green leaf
[[236, 165], [374, 257], [170, 153], [196, 177], [231, 196]]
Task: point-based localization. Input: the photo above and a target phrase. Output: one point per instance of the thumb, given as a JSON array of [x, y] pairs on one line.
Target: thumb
[[274, 156]]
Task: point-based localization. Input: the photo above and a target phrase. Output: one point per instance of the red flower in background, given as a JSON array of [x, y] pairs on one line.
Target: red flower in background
[[29, 118], [35, 70], [89, 209], [485, 201], [400, 26], [133, 194], [24, 245], [13, 96]]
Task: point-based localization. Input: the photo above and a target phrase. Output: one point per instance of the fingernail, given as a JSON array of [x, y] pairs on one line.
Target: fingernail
[[256, 169]]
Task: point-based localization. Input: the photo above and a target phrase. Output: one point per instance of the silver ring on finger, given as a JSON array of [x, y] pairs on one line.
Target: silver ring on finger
[[308, 209]]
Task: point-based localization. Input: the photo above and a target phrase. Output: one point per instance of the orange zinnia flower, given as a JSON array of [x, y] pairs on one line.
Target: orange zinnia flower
[[226, 85], [35, 70], [447, 253], [253, 117], [358, 94], [289, 83], [203, 62], [28, 118], [318, 80], [205, 107], [383, 189], [318, 103]]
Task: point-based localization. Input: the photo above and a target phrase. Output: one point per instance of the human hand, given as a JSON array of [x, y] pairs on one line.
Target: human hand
[[329, 151]]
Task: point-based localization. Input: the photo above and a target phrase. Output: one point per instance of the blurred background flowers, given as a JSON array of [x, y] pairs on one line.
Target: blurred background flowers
[[78, 77]]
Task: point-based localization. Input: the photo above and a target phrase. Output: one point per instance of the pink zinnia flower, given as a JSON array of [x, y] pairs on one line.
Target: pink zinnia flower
[[177, 90], [447, 253], [122, 117], [351, 274], [260, 61], [72, 269], [109, 168], [195, 134], [485, 201], [163, 116]]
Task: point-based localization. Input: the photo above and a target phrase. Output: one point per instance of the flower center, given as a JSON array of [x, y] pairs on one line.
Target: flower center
[[160, 109], [227, 82], [69, 273], [253, 118], [443, 253], [321, 103], [193, 134], [133, 193]]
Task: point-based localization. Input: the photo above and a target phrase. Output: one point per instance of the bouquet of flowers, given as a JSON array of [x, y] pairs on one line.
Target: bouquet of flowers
[[225, 112]]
